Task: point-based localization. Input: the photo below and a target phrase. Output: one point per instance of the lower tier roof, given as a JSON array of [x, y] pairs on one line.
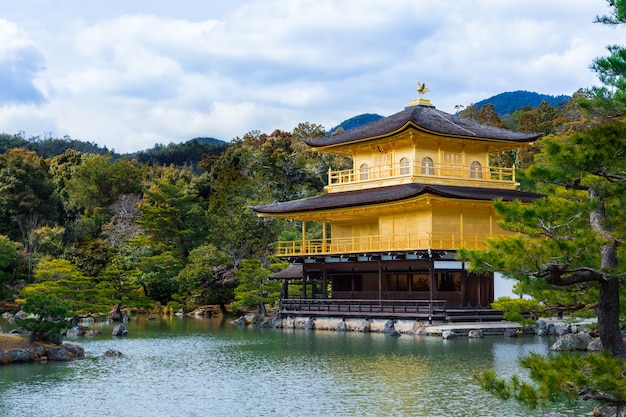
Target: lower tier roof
[[391, 194]]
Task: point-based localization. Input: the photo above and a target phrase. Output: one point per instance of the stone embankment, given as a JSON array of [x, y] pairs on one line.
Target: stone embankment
[[16, 349], [569, 336]]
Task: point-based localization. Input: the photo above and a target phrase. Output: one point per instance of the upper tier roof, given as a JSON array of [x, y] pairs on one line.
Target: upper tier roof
[[428, 119], [390, 194]]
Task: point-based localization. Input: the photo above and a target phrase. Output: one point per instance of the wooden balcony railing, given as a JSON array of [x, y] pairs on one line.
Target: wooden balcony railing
[[380, 243], [426, 309], [489, 177]]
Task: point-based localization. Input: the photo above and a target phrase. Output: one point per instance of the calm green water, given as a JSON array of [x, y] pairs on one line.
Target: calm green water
[[205, 367]]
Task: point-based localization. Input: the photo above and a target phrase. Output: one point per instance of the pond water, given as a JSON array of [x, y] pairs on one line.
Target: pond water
[[208, 367]]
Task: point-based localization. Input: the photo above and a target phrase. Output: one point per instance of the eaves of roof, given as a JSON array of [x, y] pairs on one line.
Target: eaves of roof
[[427, 119], [390, 194], [293, 271]]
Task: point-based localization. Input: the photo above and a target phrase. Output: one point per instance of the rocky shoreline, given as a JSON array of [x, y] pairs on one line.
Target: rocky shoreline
[[570, 336], [15, 346], [17, 349]]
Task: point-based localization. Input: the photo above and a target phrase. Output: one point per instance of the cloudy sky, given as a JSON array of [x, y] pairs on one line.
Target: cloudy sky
[[127, 74]]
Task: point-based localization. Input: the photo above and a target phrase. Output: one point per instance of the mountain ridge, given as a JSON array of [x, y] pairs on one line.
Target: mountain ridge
[[510, 101], [503, 103]]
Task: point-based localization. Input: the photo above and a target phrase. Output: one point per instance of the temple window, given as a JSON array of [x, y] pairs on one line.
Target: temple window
[[476, 170], [364, 172], [428, 167], [449, 281], [421, 281], [404, 166], [398, 282]]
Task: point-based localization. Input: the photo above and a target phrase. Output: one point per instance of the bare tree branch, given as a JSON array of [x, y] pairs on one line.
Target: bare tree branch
[[550, 230]]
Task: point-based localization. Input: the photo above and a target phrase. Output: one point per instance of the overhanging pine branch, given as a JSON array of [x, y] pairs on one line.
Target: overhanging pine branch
[[559, 275]]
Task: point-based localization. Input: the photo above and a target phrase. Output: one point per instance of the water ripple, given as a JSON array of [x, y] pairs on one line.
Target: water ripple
[[197, 369]]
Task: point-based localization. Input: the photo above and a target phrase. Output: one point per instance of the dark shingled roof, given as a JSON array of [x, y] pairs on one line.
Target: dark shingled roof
[[428, 118], [389, 194], [293, 271]]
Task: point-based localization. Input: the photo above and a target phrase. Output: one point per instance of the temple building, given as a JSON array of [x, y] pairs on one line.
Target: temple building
[[421, 187]]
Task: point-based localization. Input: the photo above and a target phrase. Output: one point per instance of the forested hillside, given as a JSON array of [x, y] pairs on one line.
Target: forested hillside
[[186, 153], [506, 103], [146, 234], [354, 122], [48, 147]]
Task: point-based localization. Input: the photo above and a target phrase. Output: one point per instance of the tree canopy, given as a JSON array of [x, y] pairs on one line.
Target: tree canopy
[[569, 253]]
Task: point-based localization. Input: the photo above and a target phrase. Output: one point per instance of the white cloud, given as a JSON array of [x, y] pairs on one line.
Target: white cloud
[[19, 63], [131, 75]]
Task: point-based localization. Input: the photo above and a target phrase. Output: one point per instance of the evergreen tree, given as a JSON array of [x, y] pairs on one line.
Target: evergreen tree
[[255, 289], [173, 222], [609, 100], [8, 255], [572, 240], [489, 116], [208, 278]]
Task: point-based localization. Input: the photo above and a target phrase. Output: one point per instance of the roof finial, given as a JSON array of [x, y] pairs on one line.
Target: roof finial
[[421, 89]]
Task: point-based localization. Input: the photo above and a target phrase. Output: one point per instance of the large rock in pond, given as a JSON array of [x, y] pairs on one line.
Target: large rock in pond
[[595, 345], [342, 326], [58, 354], [19, 355], [20, 315], [112, 353], [116, 313], [570, 342], [365, 326], [76, 331], [512, 332], [390, 329], [76, 350], [475, 334], [120, 330], [52, 337], [257, 320], [562, 329], [608, 411], [448, 334]]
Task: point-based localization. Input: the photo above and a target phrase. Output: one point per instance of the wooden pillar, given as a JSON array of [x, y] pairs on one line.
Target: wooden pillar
[[352, 284], [380, 282], [324, 285], [465, 277], [303, 249], [433, 280], [461, 236], [433, 288], [285, 289], [324, 237], [304, 287]]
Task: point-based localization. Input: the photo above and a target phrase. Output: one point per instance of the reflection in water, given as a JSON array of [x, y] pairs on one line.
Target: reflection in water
[[198, 367]]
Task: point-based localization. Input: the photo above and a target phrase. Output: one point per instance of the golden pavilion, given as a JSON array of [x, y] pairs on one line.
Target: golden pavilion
[[421, 186]]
